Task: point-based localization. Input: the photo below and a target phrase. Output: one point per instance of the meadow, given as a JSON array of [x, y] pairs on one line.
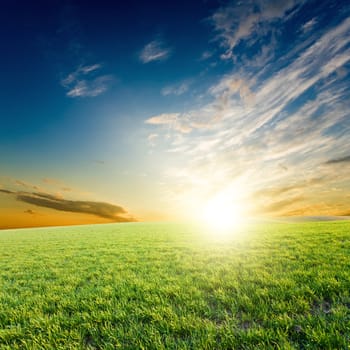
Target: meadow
[[172, 286]]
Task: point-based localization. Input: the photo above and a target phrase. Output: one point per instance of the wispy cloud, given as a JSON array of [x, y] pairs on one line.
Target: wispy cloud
[[292, 112], [68, 49], [85, 82], [234, 23], [25, 184], [309, 25], [109, 211], [152, 139], [205, 55], [177, 89], [57, 184], [174, 121], [239, 106], [156, 50], [46, 184], [281, 206], [51, 181], [273, 192]]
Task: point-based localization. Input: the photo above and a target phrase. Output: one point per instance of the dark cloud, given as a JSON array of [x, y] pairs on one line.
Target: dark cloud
[[46, 200], [42, 195], [6, 191], [339, 160], [30, 211]]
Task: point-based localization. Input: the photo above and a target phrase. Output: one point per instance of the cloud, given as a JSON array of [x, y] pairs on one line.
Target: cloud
[[283, 167], [22, 183], [152, 139], [237, 22], [2, 190], [281, 205], [30, 212], [288, 218], [272, 95], [206, 55], [88, 69], [51, 181], [299, 186], [339, 160], [69, 50], [174, 121], [273, 126], [177, 90], [154, 51], [166, 118], [57, 183], [84, 82], [333, 210], [309, 25], [25, 184], [66, 189], [231, 86], [92, 88], [100, 209]]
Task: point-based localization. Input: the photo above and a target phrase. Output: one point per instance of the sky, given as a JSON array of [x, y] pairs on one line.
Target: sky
[[149, 111]]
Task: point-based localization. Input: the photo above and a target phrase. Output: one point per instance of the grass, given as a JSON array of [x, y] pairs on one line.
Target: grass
[[167, 286]]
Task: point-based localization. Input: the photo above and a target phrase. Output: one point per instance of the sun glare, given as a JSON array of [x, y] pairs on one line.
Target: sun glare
[[223, 214]]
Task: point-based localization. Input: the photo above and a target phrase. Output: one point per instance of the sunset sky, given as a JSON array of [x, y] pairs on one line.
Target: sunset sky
[[116, 111]]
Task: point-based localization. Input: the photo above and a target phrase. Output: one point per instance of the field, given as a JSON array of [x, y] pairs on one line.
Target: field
[[171, 286]]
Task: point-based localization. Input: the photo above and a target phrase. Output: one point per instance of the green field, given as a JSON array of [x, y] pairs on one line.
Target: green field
[[170, 286]]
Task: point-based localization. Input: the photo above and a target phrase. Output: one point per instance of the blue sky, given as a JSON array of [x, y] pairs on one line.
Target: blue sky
[[158, 108]]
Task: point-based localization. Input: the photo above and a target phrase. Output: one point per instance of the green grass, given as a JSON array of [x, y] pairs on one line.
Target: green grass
[[167, 286]]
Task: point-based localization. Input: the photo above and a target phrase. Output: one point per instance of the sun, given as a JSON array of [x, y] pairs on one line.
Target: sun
[[223, 213]]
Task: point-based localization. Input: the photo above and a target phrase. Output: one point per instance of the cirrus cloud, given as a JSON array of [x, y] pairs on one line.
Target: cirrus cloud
[[270, 125], [84, 82], [236, 22], [154, 51], [177, 89]]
